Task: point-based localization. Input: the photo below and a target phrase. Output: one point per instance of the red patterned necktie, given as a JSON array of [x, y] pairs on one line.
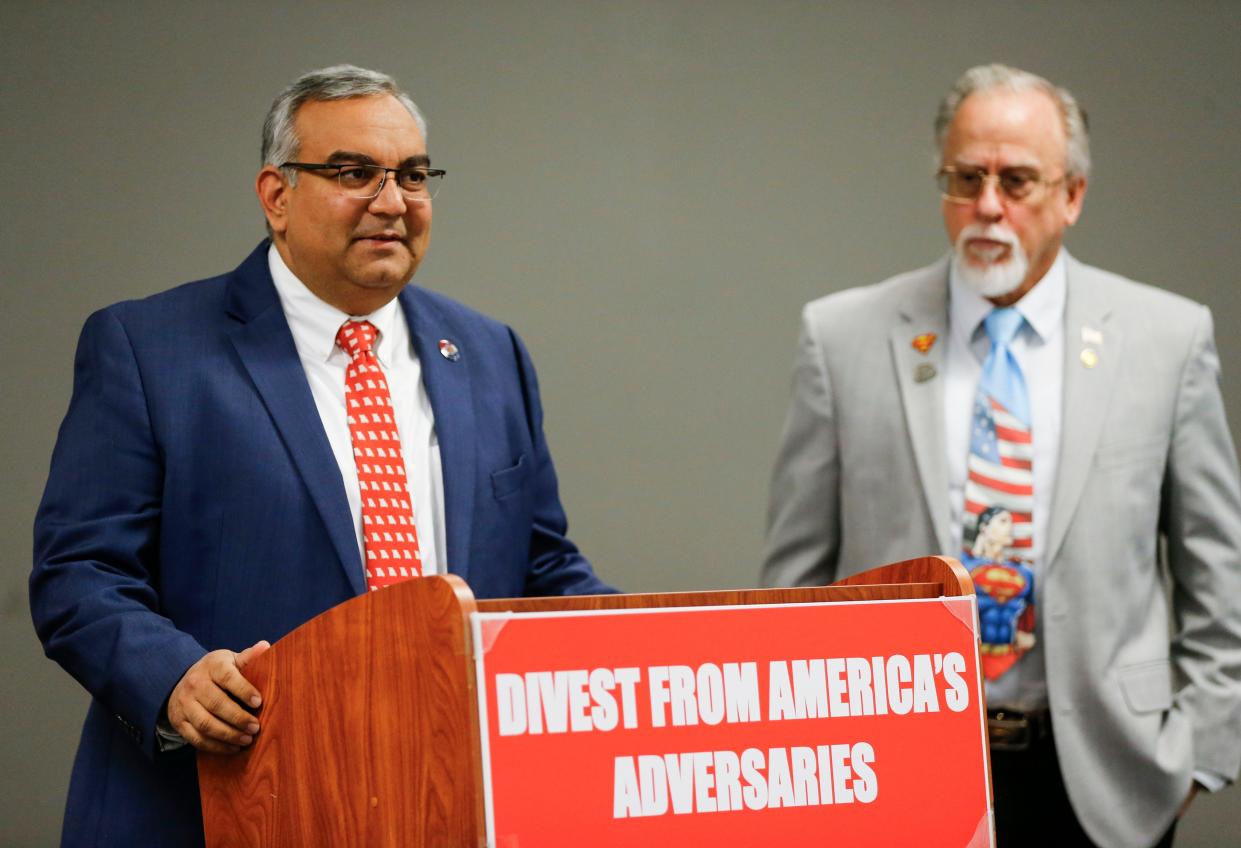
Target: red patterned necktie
[[389, 536]]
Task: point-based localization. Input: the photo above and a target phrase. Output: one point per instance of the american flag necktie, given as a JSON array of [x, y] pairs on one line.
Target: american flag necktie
[[999, 501], [389, 537]]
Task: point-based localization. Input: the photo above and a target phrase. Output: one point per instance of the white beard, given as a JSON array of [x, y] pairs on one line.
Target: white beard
[[995, 279]]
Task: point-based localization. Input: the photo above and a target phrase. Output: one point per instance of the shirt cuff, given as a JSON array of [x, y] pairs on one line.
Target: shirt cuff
[[168, 739], [1211, 781]]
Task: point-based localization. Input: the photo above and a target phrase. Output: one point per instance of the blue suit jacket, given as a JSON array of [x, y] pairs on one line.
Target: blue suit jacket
[[194, 503]]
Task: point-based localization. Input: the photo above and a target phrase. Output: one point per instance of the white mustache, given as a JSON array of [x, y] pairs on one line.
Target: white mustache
[[991, 232]]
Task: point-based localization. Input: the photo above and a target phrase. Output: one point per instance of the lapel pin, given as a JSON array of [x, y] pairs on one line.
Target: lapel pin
[[1089, 357], [1091, 336], [924, 342], [449, 351], [925, 371]]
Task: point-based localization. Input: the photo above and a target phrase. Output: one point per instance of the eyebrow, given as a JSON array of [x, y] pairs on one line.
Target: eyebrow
[[421, 160], [973, 166]]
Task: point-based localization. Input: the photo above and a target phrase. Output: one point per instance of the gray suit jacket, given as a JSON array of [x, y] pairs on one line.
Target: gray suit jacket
[[861, 480]]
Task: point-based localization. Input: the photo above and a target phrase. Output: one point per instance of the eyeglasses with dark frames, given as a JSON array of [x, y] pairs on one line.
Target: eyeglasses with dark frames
[[417, 183]]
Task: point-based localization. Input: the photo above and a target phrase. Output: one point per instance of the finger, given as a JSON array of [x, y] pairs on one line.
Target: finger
[[201, 743], [217, 703], [246, 657], [199, 687], [256, 650], [200, 693], [186, 694], [226, 675], [207, 728], [235, 682]]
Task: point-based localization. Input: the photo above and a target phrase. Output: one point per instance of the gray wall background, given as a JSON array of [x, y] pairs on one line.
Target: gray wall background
[[647, 191]]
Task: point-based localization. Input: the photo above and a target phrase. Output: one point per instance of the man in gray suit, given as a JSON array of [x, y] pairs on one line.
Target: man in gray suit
[[1060, 430]]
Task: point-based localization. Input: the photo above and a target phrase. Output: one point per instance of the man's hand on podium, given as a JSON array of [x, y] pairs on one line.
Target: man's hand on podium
[[205, 706]]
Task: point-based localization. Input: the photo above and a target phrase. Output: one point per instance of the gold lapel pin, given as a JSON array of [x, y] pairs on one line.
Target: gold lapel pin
[[925, 371], [1090, 358]]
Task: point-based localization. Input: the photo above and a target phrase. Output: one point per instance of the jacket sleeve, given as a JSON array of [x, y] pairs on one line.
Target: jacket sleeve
[[94, 588], [1201, 519], [803, 516]]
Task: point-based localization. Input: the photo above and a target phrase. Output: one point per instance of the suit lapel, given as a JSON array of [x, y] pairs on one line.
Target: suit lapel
[[265, 345], [921, 380], [1087, 394], [452, 403]]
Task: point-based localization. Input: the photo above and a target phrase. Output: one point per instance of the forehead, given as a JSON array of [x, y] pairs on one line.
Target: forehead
[[378, 126], [999, 128]]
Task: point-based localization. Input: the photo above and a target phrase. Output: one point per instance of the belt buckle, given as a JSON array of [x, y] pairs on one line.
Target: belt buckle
[[1009, 731]]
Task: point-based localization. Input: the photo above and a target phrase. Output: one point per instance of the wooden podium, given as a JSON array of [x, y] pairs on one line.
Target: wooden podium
[[371, 719]]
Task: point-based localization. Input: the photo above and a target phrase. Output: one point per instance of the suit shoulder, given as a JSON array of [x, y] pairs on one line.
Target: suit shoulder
[[175, 308], [1137, 292], [456, 313], [874, 305], [189, 296], [202, 303], [1149, 309]]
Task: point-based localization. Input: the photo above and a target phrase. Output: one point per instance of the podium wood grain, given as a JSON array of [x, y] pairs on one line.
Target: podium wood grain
[[369, 738], [370, 715]]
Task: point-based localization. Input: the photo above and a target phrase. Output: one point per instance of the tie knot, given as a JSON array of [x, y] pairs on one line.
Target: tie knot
[[1002, 324], [356, 338]]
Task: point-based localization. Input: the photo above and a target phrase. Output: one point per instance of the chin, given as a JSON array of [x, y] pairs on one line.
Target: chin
[[383, 275], [994, 280]]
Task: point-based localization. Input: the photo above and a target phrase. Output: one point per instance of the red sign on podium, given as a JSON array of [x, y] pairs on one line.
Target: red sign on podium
[[852, 723]]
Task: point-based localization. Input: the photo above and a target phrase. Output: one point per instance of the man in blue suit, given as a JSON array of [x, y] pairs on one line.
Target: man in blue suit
[[204, 497]]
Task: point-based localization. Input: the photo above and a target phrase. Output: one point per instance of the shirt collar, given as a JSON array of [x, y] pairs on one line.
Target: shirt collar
[[1042, 306], [314, 322]]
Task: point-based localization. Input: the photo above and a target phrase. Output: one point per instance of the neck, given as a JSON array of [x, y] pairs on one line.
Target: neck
[[1038, 270], [348, 298]]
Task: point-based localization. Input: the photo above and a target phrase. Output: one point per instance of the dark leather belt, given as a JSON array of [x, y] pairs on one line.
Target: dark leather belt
[[1008, 730]]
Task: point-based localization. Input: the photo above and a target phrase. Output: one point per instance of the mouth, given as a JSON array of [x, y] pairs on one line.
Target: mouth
[[380, 239], [988, 250]]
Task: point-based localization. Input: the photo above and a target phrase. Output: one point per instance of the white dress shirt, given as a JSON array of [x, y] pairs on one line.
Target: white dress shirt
[[314, 324], [1039, 349]]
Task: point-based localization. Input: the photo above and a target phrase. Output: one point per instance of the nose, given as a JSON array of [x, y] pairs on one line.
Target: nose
[[989, 205], [390, 201]]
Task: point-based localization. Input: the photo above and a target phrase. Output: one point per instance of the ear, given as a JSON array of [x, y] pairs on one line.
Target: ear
[[1076, 189], [273, 187]]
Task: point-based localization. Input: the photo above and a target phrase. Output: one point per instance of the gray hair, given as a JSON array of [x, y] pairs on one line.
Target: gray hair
[[339, 82], [987, 77]]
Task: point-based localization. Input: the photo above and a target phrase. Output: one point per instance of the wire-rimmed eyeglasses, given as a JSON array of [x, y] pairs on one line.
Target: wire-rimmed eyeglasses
[[1021, 185]]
